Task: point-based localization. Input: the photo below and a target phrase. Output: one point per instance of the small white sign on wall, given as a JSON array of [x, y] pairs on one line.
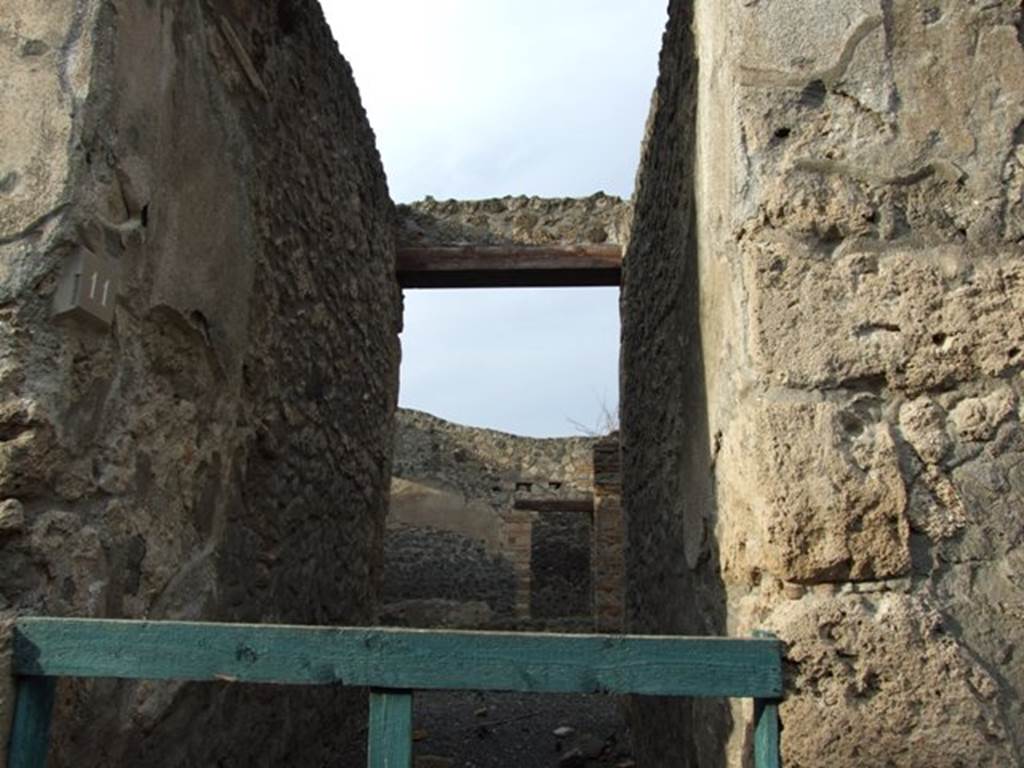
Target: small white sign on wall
[[88, 287]]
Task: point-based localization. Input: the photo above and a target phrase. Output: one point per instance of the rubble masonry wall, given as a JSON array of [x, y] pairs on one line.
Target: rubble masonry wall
[[221, 450]]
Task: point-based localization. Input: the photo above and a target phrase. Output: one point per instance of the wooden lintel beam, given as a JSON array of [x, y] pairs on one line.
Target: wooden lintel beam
[[509, 266], [556, 505]]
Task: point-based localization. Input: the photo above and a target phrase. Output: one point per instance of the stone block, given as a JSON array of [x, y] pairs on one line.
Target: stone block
[[815, 494], [910, 319], [885, 682]]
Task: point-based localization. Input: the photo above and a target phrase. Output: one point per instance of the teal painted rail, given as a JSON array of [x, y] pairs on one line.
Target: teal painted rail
[[392, 663]]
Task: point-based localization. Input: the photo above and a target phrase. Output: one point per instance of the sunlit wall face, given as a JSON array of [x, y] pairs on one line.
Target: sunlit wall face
[[475, 99]]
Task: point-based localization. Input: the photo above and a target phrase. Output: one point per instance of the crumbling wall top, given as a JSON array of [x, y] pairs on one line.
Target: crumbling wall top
[[598, 219], [489, 465]]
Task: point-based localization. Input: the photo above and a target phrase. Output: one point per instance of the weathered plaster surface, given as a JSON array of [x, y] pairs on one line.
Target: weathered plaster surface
[[854, 366], [222, 451]]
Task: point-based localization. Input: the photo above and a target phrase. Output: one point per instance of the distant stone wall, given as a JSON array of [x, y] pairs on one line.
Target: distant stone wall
[[608, 537], [560, 566], [427, 563], [521, 220], [822, 383], [454, 533], [219, 448]]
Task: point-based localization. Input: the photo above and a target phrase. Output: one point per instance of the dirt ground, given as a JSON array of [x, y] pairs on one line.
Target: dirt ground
[[455, 729]]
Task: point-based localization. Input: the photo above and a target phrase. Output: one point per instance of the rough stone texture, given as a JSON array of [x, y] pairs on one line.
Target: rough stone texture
[[850, 656], [560, 565], [608, 537], [430, 564], [416, 503], [486, 465], [598, 219], [822, 383], [453, 530], [673, 583], [825, 487], [437, 613], [222, 451], [517, 544]]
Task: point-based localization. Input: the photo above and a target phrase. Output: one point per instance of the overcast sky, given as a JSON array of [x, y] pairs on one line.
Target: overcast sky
[[485, 98]]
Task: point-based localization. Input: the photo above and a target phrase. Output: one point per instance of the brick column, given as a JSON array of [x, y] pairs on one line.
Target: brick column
[[517, 543], [607, 551]]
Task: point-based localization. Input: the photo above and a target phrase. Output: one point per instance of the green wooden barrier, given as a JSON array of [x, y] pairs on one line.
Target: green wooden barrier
[[392, 663]]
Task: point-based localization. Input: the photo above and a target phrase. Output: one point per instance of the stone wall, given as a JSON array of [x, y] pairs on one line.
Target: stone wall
[[608, 537], [445, 568], [221, 449], [822, 382], [560, 566], [672, 580], [455, 533], [598, 219]]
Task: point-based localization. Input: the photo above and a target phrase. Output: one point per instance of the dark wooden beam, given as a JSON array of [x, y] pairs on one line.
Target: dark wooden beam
[[509, 266], [556, 505]]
